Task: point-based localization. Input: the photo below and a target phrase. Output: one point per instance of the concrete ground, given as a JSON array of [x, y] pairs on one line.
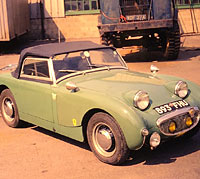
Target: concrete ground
[[35, 153]]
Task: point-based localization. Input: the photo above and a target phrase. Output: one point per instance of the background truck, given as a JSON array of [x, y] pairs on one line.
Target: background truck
[[149, 23]]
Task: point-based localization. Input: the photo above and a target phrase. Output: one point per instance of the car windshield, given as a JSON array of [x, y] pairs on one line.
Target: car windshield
[[65, 64]]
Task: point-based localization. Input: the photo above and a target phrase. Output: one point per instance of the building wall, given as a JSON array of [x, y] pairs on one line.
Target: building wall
[[189, 20], [83, 26], [57, 25]]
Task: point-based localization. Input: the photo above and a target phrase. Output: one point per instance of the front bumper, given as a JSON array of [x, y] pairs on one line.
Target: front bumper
[[180, 119]]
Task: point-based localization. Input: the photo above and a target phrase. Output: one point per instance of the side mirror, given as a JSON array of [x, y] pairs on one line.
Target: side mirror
[[72, 86], [154, 69]]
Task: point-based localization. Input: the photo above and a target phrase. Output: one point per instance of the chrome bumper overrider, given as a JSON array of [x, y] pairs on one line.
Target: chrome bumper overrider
[[179, 117]]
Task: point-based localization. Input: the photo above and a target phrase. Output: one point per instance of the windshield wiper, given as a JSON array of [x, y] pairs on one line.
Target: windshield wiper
[[69, 71], [97, 66]]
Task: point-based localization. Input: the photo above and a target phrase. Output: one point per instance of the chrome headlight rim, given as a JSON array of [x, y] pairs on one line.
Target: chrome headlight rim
[[141, 100], [181, 89]]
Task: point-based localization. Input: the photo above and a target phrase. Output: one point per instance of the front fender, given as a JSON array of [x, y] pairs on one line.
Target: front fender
[[194, 96], [129, 121], [72, 107]]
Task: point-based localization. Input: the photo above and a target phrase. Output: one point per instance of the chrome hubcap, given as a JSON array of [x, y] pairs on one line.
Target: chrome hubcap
[[8, 109], [104, 140]]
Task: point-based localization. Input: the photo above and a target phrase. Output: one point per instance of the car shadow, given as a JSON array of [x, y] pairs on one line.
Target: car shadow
[[166, 153], [185, 54], [82, 145]]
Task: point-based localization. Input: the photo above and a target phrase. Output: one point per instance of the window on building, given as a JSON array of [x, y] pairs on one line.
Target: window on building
[[188, 3], [81, 6]]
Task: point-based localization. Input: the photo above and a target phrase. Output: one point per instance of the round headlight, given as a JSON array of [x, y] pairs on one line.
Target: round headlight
[[181, 89], [141, 100]]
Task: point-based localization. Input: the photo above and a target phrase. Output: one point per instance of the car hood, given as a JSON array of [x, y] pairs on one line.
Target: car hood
[[124, 84]]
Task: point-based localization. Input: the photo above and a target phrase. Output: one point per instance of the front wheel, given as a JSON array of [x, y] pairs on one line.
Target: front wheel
[[9, 109], [106, 139]]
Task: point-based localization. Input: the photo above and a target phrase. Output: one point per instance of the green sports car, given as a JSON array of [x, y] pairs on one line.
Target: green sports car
[[85, 91]]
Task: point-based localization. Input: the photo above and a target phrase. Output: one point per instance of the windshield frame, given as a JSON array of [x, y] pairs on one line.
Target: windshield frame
[[91, 70]]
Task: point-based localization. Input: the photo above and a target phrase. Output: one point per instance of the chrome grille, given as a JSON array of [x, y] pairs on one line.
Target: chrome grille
[[179, 118]]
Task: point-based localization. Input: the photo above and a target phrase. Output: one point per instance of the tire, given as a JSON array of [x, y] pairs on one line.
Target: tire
[[172, 44], [9, 109], [106, 139], [106, 39]]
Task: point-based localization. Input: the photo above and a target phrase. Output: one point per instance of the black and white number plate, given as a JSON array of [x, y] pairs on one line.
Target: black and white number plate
[[171, 106], [141, 17]]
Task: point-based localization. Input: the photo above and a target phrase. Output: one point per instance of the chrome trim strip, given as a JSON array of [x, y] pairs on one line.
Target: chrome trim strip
[[176, 113], [89, 71], [122, 59], [36, 78]]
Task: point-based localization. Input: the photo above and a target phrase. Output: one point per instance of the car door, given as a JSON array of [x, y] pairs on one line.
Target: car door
[[35, 94]]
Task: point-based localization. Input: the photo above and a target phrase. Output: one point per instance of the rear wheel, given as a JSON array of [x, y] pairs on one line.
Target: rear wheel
[[106, 139], [9, 109]]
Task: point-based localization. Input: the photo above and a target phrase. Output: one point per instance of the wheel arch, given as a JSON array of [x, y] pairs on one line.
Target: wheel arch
[[86, 119], [3, 87], [129, 123]]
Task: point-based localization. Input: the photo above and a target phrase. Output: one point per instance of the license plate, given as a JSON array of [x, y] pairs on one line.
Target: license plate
[[136, 17], [171, 106]]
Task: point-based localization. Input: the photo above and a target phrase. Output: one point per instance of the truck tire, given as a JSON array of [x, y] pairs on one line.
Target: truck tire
[[112, 40], [106, 40], [172, 44]]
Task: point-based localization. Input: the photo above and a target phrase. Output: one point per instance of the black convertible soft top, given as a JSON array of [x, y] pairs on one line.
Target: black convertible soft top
[[52, 49]]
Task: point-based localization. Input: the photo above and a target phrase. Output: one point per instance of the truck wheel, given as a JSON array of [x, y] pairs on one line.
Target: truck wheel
[[106, 139], [172, 44], [9, 109], [106, 40]]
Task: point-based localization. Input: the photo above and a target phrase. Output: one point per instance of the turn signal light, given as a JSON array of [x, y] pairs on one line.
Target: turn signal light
[[192, 112], [172, 127], [188, 121]]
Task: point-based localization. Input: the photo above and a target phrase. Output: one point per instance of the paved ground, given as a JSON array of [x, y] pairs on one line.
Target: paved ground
[[32, 152]]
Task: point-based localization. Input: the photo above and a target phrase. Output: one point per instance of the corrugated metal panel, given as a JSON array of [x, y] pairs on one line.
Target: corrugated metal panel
[[14, 18], [52, 8], [18, 17], [4, 30]]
